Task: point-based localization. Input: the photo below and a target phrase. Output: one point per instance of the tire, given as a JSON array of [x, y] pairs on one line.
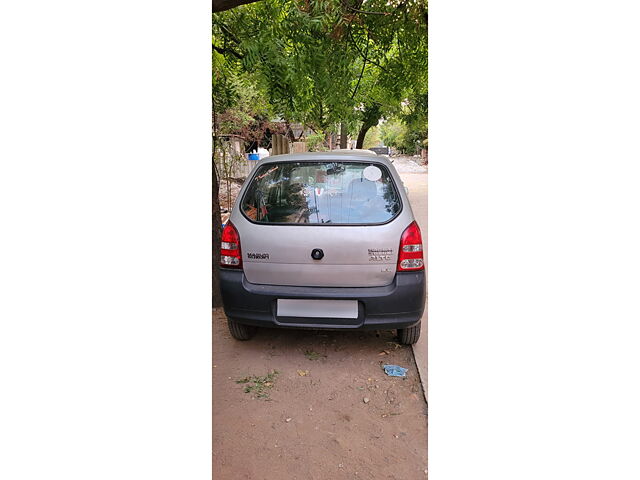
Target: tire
[[409, 336], [240, 331]]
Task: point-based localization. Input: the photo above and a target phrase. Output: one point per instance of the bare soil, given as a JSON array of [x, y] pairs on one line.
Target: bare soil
[[329, 413]]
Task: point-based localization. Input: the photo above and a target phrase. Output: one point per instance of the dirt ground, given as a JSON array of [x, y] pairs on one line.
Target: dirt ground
[[330, 412]]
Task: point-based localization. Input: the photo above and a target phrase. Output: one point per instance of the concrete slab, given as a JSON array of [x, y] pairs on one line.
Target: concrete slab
[[416, 181]]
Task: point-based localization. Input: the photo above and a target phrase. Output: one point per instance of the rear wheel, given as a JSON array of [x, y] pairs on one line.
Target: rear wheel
[[240, 331], [409, 336]]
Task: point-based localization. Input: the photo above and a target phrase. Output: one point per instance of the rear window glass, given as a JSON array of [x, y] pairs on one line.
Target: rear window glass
[[320, 193]]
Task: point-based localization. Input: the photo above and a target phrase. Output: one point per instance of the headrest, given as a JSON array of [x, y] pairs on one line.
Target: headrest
[[361, 189]]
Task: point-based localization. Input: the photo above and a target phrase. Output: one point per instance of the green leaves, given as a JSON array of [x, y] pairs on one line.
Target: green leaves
[[324, 62]]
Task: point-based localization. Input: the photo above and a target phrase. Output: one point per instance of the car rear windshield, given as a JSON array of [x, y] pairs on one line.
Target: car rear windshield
[[321, 193]]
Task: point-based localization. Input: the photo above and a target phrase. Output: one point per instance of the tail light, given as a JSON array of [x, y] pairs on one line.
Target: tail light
[[230, 256], [410, 252]]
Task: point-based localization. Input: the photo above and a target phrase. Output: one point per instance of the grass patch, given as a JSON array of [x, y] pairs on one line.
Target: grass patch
[[311, 355], [259, 386]]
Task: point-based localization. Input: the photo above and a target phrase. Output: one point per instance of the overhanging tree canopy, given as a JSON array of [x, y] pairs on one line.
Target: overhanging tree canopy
[[326, 62]]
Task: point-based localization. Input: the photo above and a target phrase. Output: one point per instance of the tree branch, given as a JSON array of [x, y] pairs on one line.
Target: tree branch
[[363, 55], [369, 13], [222, 5], [364, 63], [226, 30], [222, 51]]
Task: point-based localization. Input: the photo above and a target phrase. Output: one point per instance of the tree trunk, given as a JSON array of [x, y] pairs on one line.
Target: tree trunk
[[290, 135], [217, 238], [343, 135], [215, 217], [362, 133], [371, 117]]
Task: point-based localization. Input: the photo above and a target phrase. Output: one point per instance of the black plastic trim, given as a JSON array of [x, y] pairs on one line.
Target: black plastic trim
[[397, 305]]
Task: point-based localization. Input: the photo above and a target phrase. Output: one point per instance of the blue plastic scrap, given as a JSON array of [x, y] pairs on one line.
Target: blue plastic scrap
[[395, 371]]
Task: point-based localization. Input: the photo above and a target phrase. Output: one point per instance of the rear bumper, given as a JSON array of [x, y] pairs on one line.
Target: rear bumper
[[398, 305]]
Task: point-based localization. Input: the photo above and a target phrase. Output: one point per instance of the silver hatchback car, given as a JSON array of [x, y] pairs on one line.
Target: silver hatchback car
[[323, 240]]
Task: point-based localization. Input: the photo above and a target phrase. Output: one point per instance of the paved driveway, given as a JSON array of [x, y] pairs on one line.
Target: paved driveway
[[415, 178]]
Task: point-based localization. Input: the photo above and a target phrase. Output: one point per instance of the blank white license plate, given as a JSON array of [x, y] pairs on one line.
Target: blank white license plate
[[318, 308]]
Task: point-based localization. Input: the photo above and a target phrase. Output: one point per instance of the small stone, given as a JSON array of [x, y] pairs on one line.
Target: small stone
[[365, 399], [288, 420]]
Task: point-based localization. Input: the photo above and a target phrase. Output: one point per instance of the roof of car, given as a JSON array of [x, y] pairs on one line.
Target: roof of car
[[354, 150], [335, 155]]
